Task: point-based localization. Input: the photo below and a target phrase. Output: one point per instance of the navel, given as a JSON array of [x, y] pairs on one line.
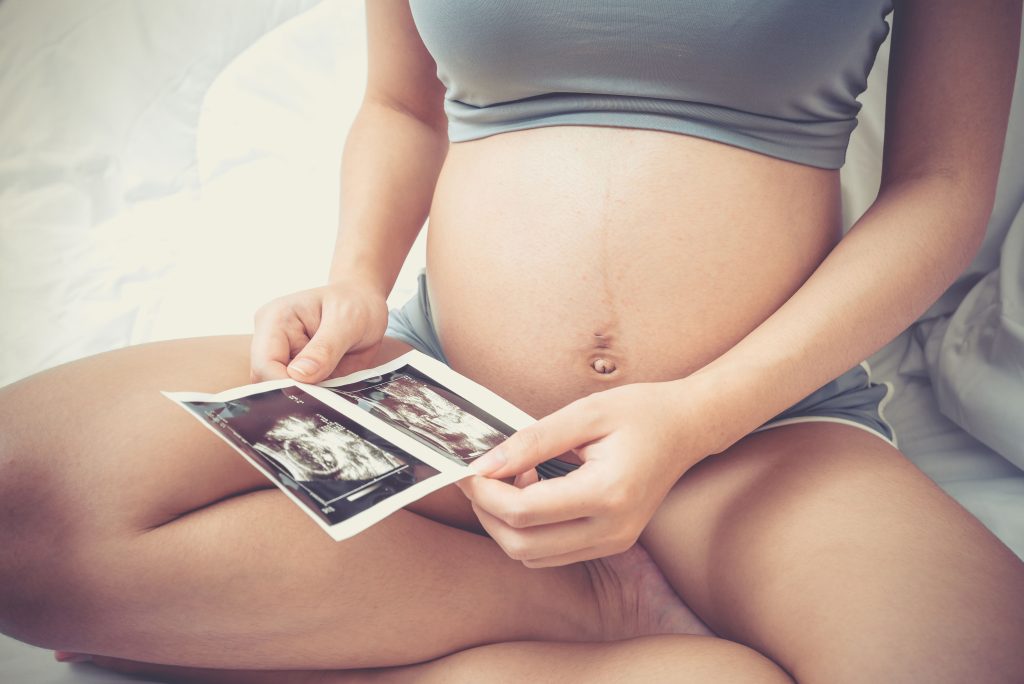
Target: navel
[[602, 362]]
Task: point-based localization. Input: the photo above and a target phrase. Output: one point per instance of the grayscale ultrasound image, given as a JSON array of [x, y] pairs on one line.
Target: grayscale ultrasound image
[[334, 465], [429, 412]]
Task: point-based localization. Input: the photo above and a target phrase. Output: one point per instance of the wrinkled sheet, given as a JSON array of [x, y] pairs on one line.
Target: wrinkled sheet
[[174, 192]]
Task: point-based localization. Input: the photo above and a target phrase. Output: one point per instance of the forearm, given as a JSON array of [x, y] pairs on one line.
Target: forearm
[[390, 166], [902, 254]]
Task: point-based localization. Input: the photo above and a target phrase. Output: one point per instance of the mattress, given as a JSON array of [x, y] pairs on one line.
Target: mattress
[[154, 160]]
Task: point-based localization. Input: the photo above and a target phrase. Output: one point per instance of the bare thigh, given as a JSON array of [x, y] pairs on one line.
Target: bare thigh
[[656, 659], [827, 550], [167, 465], [130, 530]]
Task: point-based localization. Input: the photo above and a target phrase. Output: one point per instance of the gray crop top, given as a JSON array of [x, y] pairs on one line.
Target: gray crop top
[[780, 77]]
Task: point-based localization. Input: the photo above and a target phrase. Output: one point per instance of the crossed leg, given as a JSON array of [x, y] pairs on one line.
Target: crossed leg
[[130, 531], [827, 550], [655, 659], [815, 544]]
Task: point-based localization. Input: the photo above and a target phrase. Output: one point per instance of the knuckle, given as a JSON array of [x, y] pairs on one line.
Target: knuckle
[[516, 517], [261, 372], [334, 305], [339, 308], [589, 403], [617, 546], [261, 310], [320, 350], [269, 309], [614, 501], [292, 327], [516, 548], [591, 410], [624, 540], [529, 443], [602, 506]]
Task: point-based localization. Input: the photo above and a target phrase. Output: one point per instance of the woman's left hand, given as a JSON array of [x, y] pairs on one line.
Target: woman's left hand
[[635, 442]]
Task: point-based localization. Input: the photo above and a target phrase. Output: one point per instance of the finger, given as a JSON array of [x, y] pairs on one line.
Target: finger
[[353, 361], [526, 479], [569, 427], [269, 351], [576, 495], [333, 337], [538, 542], [567, 558]]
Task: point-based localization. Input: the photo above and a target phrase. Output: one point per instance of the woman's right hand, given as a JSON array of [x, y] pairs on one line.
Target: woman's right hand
[[304, 335]]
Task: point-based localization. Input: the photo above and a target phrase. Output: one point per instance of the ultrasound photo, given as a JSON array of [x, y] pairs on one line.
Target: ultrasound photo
[[429, 412], [331, 463]]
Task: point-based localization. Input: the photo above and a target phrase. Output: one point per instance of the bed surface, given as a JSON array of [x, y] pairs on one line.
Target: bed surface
[[154, 161]]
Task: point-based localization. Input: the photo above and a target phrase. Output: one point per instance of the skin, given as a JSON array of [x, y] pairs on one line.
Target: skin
[[672, 659], [816, 545]]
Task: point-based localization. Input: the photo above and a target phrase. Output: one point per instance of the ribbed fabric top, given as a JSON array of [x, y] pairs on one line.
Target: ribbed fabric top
[[780, 77]]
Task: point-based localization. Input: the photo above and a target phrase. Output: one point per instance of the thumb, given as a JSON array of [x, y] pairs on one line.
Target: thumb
[[324, 350], [571, 426]]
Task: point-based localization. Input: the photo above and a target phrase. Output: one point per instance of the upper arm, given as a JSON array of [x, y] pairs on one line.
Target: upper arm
[[951, 73], [400, 71]]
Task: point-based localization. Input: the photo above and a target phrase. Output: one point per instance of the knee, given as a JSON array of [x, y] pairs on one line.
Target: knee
[[686, 657], [730, 661], [32, 534], [653, 659]]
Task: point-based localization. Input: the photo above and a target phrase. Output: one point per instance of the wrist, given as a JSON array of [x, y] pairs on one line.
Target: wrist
[[713, 404], [362, 272]]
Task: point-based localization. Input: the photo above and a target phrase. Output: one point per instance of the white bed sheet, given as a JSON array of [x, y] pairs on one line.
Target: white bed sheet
[[158, 218]]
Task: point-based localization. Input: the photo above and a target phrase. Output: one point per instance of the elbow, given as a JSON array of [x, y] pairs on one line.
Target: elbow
[[972, 205], [962, 202], [969, 214], [973, 238]]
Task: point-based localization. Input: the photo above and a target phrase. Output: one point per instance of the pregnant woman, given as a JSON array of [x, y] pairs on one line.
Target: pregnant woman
[[634, 236]]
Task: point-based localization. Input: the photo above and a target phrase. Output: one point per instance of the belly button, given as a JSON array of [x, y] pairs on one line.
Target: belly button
[[603, 366]]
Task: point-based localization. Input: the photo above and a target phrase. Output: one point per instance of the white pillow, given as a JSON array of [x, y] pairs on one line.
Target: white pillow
[[101, 104], [270, 139]]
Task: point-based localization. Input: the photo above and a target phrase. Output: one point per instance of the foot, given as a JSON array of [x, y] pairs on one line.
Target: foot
[[635, 599]]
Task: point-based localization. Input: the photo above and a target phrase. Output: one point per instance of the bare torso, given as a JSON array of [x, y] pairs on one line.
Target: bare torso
[[556, 253]]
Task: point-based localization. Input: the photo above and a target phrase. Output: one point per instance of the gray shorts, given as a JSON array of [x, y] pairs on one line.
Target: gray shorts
[[852, 398]]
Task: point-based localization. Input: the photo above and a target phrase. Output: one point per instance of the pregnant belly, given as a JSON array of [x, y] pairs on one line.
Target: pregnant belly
[[568, 259]]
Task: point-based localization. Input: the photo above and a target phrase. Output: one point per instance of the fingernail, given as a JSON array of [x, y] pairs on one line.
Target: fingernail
[[304, 366], [69, 657], [489, 462]]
